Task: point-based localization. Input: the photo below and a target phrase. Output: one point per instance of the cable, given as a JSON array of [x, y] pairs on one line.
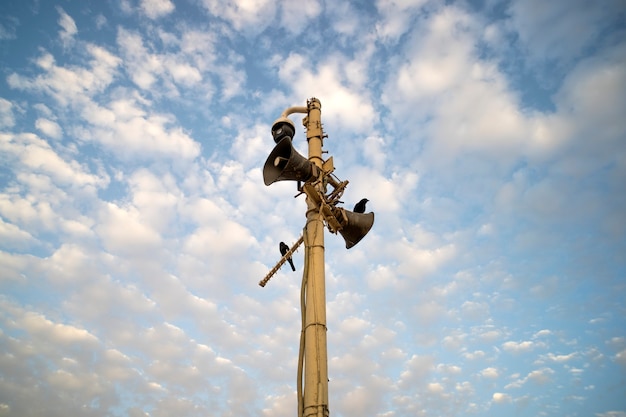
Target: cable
[[305, 274]]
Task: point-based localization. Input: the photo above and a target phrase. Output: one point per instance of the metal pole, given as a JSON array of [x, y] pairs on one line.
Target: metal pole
[[315, 350]]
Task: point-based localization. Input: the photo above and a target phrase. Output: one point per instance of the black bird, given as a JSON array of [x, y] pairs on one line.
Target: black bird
[[360, 206], [283, 250]]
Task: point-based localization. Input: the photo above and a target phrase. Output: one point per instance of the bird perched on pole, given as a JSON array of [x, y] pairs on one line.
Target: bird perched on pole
[[360, 206], [283, 250]]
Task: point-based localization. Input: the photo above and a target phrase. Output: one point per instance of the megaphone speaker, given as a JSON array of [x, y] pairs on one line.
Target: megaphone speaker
[[286, 164], [356, 226]]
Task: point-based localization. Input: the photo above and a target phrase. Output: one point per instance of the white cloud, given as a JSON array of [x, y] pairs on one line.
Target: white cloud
[[491, 373], [344, 18], [541, 376], [374, 152], [465, 124], [380, 277], [146, 283], [435, 388], [68, 27], [486, 230], [70, 264], [428, 313], [479, 354], [443, 97], [611, 414], [155, 9], [32, 215], [537, 377], [185, 70], [491, 335], [156, 198], [596, 123], [465, 387], [7, 119], [417, 255], [455, 341], [142, 65], [558, 31], [415, 261], [283, 402], [122, 231], [542, 333], [101, 21], [475, 310], [354, 326], [345, 102], [396, 17], [246, 16], [49, 128], [501, 398], [431, 69], [126, 129], [250, 146], [384, 192], [417, 369], [518, 347], [449, 369], [562, 358], [12, 236], [183, 73], [218, 239], [70, 366], [37, 156], [8, 29], [296, 16], [70, 85], [617, 341], [43, 329]]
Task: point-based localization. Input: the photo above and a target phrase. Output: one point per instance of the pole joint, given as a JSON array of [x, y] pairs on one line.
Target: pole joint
[[316, 324]]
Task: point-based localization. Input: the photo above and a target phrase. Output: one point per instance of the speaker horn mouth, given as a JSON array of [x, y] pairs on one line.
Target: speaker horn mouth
[[286, 164], [358, 225]]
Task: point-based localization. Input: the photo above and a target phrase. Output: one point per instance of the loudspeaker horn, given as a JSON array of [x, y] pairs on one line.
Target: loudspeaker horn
[[355, 227], [286, 164]]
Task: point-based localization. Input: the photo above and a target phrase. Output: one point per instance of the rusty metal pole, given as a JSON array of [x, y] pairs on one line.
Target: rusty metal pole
[[315, 393]]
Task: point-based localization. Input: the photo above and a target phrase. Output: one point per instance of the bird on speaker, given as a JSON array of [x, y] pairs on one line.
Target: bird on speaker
[[283, 250], [360, 206]]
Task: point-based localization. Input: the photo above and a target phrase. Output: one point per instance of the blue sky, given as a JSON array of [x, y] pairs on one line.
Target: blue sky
[[489, 137]]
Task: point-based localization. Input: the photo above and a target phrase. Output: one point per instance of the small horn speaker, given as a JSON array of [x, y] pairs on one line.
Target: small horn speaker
[[356, 226], [286, 164]]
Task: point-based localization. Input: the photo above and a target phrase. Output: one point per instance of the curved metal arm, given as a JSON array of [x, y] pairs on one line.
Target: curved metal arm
[[294, 109]]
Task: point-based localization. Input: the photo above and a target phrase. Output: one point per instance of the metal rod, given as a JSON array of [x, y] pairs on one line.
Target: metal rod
[[281, 262]]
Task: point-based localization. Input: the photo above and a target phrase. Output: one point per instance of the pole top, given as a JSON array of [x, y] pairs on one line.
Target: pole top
[[314, 103]]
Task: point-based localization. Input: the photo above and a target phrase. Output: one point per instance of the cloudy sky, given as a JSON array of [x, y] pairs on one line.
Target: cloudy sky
[[488, 135]]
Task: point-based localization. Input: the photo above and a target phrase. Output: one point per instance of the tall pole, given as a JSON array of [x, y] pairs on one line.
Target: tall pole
[[315, 402], [285, 164]]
